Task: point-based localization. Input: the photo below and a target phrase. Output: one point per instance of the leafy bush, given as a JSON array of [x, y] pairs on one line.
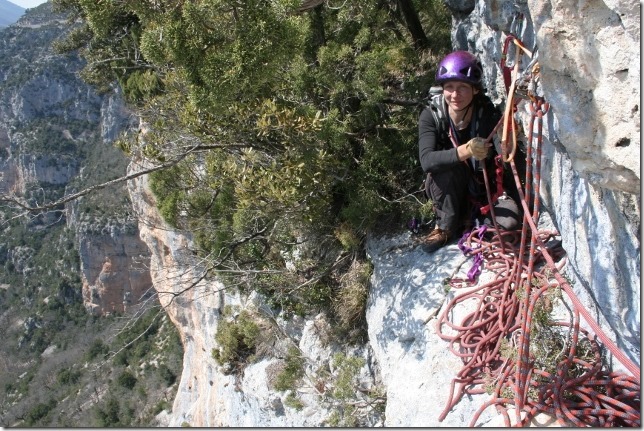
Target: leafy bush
[[347, 370], [293, 401], [292, 372], [291, 126], [126, 380], [97, 348], [237, 339], [67, 376], [141, 85], [111, 415], [161, 406], [283, 293], [39, 411], [167, 375], [346, 412]]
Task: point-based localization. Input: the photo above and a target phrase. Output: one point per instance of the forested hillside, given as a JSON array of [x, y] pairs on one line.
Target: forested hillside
[[59, 364]]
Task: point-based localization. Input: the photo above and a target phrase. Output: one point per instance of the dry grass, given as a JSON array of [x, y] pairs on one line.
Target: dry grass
[[350, 303]]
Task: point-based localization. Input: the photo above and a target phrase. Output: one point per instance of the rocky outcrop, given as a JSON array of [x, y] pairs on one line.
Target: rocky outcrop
[[592, 169], [208, 396], [115, 269], [588, 56], [195, 312], [590, 73]]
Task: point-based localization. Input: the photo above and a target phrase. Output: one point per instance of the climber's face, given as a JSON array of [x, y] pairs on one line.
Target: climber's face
[[458, 95]]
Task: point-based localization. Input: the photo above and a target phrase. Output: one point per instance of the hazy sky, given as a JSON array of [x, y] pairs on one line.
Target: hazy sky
[[27, 3]]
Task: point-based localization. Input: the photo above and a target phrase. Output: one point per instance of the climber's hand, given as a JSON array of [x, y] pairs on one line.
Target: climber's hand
[[478, 148]]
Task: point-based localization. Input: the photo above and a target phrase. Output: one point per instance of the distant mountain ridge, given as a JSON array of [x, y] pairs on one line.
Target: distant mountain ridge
[[9, 13]]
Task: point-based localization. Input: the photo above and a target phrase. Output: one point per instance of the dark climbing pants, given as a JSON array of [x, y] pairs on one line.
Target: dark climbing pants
[[453, 193], [448, 191]]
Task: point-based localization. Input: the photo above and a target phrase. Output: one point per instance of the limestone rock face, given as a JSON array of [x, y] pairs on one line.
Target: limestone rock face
[[194, 312], [19, 168], [115, 271], [591, 74], [207, 396], [416, 365], [588, 55]]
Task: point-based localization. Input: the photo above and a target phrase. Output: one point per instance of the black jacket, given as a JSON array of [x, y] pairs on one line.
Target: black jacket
[[435, 148]]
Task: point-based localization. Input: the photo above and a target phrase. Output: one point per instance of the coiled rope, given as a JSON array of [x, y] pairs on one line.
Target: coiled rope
[[511, 346]]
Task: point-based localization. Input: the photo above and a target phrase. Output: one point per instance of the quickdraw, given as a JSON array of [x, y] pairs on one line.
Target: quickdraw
[[527, 267]]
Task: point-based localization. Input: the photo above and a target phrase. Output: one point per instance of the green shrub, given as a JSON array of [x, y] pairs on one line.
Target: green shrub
[[167, 375], [161, 406], [127, 380], [292, 372], [111, 416], [121, 358], [140, 85], [97, 348], [38, 412], [237, 339], [347, 370], [348, 237], [68, 376], [293, 401]]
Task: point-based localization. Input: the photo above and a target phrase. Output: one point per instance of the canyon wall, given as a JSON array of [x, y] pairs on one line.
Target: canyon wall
[[55, 133]]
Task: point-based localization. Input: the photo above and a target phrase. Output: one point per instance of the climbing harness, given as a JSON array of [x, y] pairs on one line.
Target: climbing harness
[[499, 342]]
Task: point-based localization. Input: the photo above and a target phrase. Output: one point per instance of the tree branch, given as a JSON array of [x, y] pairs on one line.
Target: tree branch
[[68, 198]]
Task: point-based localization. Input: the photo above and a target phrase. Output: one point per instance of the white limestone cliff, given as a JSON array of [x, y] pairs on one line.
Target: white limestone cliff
[[411, 362], [588, 54]]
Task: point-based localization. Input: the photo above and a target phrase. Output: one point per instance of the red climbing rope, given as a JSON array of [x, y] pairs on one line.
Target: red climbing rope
[[511, 345]]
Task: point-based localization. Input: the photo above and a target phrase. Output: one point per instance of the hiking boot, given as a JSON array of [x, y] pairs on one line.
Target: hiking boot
[[435, 240]]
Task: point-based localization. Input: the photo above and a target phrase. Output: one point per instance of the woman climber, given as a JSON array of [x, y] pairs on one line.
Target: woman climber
[[452, 134]]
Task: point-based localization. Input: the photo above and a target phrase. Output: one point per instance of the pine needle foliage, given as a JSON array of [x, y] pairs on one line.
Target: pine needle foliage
[[290, 124]]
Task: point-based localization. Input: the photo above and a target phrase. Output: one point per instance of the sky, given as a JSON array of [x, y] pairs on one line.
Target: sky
[[27, 4]]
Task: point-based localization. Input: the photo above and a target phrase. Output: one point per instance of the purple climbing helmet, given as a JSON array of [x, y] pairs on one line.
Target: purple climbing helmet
[[460, 66]]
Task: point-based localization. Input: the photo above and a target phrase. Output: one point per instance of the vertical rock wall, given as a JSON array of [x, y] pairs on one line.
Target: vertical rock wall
[[115, 270], [207, 396], [192, 304], [588, 54]]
